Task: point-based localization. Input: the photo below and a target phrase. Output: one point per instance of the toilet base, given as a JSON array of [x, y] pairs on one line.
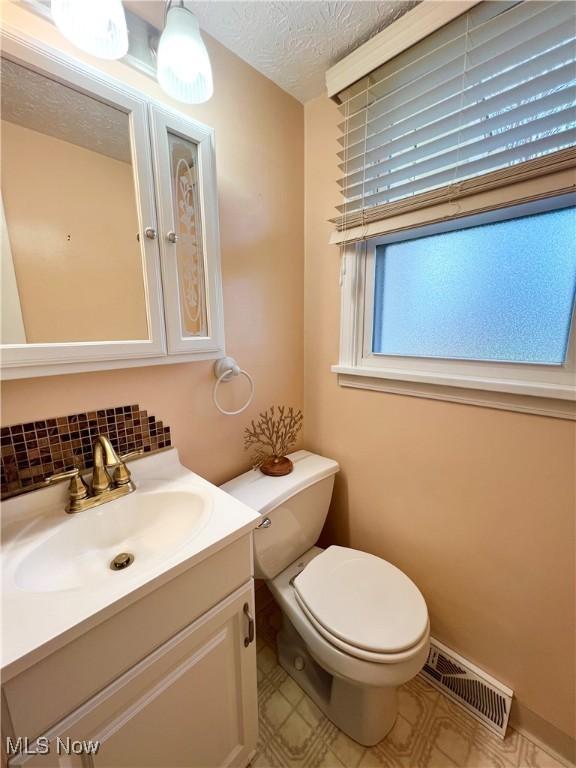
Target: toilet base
[[364, 713]]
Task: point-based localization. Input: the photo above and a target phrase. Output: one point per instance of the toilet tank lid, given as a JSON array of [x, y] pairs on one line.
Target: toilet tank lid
[[264, 493]]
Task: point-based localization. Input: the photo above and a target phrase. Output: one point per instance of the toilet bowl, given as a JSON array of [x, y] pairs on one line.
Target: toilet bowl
[[354, 627]]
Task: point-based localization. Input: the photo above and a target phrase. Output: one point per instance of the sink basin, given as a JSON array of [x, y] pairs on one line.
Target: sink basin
[[78, 553], [55, 567]]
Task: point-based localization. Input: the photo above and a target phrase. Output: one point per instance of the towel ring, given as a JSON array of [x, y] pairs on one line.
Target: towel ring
[[224, 370]]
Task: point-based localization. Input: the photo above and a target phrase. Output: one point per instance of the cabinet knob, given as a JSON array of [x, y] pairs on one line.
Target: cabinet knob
[[172, 237], [150, 233]]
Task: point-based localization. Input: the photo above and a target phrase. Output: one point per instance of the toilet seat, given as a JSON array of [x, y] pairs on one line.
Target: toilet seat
[[362, 604], [359, 653]]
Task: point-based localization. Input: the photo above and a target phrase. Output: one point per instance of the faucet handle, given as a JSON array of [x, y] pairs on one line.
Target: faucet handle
[[61, 476], [132, 454], [122, 474], [77, 489]]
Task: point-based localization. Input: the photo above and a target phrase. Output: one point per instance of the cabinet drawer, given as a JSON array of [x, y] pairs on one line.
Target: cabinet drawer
[[53, 687]]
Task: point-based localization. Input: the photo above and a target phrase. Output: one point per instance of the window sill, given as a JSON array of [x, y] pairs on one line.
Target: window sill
[[544, 400]]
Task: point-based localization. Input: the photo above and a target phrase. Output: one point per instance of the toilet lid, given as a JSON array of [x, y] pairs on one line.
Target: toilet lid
[[363, 600]]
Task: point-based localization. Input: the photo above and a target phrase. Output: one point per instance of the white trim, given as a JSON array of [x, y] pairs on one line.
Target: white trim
[[415, 25], [539, 406], [59, 369], [548, 390]]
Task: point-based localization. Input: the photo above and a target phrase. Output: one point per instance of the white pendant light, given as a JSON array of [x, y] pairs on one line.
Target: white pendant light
[[183, 66], [95, 26]]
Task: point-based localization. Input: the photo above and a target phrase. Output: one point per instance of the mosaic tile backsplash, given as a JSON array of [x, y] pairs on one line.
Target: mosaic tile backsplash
[[34, 451]]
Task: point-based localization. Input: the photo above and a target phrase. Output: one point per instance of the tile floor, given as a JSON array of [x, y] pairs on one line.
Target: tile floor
[[430, 731]]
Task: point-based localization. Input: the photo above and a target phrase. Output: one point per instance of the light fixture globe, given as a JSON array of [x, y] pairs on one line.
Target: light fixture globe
[[183, 65], [97, 27]]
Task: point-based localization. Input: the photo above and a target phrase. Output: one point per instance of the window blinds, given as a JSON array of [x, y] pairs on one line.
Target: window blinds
[[494, 89]]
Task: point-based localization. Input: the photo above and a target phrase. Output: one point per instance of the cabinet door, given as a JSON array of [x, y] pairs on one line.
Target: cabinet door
[[185, 177], [190, 703]]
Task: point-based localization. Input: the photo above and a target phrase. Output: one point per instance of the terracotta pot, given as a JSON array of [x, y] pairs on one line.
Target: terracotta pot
[[276, 466]]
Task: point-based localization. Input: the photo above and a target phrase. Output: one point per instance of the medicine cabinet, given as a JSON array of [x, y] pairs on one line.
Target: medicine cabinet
[[109, 223]]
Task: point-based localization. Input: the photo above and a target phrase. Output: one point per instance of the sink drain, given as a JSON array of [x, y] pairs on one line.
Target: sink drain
[[121, 561]]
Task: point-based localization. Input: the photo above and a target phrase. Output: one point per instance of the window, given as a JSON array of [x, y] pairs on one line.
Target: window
[[502, 291], [482, 303], [457, 224]]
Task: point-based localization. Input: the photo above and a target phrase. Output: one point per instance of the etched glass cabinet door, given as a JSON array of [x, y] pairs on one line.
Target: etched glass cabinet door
[[185, 177]]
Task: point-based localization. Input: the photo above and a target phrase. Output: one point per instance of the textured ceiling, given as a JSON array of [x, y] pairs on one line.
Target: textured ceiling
[[40, 104], [291, 42]]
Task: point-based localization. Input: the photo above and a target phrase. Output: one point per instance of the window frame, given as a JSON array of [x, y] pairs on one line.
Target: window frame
[[533, 387]]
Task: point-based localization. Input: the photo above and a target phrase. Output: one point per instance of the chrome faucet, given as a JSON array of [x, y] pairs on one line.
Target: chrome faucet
[[102, 487]]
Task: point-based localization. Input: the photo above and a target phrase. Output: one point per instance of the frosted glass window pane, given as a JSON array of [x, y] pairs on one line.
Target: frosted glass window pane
[[502, 291]]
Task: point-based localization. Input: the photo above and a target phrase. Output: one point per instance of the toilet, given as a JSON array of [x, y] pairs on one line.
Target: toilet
[[354, 627]]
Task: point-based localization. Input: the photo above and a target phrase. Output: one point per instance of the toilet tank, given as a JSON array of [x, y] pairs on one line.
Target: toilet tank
[[296, 505]]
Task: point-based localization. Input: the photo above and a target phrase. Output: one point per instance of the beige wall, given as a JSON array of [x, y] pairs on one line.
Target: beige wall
[[72, 223], [476, 505], [259, 157]]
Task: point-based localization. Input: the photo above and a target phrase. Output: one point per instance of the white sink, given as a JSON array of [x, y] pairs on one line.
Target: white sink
[[78, 554], [56, 575]]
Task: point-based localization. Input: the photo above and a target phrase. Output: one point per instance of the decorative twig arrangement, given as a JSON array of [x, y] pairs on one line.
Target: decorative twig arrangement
[[274, 433]]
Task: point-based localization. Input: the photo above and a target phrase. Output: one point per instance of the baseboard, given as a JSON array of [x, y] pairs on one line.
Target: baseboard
[[545, 735]]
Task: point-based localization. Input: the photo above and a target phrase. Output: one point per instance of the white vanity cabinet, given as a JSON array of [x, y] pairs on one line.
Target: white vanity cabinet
[[190, 701]]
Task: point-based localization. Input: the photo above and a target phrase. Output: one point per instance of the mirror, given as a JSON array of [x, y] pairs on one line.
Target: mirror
[[72, 264]]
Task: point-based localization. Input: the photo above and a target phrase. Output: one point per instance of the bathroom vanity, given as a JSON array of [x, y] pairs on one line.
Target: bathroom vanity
[[155, 662]]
